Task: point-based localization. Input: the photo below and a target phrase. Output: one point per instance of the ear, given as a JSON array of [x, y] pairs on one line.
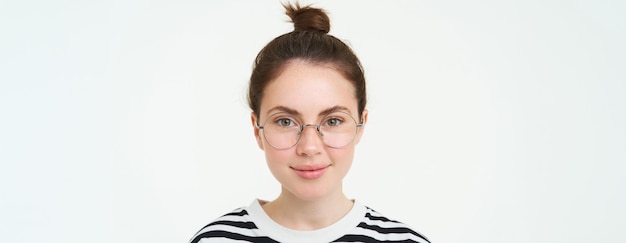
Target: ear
[[362, 119], [257, 131]]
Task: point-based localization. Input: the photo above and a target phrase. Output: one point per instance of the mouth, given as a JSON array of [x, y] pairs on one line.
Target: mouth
[[310, 172]]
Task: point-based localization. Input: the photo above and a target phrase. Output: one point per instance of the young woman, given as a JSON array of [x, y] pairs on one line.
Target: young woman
[[307, 95]]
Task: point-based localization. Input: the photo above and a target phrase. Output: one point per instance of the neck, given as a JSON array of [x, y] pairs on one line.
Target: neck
[[298, 214]]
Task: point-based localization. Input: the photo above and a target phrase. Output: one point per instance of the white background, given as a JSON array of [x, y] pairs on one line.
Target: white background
[[490, 121]]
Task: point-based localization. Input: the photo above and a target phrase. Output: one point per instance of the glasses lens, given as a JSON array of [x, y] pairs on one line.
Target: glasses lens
[[338, 129], [281, 131]]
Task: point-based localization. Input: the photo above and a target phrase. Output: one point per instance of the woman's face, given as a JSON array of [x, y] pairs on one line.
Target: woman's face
[[308, 92]]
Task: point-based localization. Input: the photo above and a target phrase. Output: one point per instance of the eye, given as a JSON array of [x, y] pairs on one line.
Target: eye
[[332, 122], [285, 122]]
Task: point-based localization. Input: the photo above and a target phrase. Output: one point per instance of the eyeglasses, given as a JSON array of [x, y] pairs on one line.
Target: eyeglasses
[[283, 131]]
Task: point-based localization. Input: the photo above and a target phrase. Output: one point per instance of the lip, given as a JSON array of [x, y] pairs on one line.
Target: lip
[[310, 172]]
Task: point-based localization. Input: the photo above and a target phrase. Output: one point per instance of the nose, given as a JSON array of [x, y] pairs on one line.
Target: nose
[[310, 142]]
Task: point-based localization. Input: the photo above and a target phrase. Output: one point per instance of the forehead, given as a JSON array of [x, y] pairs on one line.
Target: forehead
[[309, 89]]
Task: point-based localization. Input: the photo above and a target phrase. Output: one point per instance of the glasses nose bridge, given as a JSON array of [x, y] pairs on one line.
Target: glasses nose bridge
[[316, 126]]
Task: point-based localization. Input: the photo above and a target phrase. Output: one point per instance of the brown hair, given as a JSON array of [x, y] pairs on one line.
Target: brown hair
[[309, 41]]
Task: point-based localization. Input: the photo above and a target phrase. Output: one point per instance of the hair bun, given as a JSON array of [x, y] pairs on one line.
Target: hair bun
[[308, 18]]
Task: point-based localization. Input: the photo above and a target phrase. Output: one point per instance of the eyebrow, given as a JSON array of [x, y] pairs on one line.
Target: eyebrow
[[334, 109], [285, 109], [294, 112]]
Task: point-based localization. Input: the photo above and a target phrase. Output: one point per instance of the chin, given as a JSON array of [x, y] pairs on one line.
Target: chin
[[311, 191]]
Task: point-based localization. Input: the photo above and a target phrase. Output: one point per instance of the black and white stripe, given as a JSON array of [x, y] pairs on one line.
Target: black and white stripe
[[374, 227], [233, 226], [378, 228]]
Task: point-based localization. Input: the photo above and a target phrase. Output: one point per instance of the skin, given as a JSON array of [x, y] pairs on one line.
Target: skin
[[308, 90]]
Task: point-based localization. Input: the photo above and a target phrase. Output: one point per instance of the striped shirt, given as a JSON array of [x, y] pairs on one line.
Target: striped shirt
[[252, 224]]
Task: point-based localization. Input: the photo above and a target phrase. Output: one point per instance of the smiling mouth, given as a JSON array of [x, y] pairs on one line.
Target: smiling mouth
[[310, 168], [310, 172]]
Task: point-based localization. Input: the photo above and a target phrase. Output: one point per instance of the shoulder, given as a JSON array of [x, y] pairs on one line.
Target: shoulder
[[376, 227], [233, 226]]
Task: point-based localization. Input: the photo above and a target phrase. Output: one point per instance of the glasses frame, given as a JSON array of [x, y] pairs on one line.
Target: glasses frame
[[303, 126]]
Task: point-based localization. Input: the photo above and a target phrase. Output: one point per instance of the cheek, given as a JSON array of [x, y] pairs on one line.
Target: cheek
[[342, 157], [277, 162], [276, 157]]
